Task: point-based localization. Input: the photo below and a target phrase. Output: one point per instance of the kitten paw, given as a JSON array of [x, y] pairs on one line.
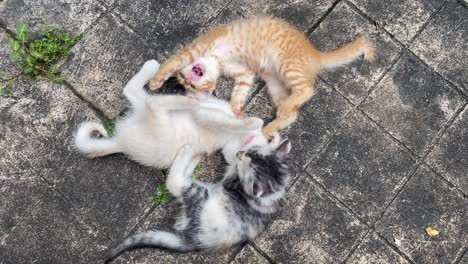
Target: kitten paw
[[274, 138], [186, 150], [155, 84], [161, 76], [269, 132], [237, 109]]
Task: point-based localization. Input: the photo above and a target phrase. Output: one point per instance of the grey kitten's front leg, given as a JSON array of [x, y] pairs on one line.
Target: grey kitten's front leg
[[179, 179]]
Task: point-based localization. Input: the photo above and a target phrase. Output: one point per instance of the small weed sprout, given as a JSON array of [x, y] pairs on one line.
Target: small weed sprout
[[110, 127], [161, 196], [37, 59]]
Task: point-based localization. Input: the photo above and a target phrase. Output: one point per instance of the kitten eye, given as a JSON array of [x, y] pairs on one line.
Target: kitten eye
[[240, 154], [193, 86]]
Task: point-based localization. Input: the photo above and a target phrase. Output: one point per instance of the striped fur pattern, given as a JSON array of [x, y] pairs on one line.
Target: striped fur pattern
[[265, 46], [217, 216], [158, 125]]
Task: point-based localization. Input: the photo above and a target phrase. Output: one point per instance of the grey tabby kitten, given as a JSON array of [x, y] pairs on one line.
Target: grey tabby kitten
[[217, 216]]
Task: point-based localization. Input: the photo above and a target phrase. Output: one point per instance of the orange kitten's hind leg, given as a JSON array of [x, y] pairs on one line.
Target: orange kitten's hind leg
[[278, 124], [287, 112], [278, 90]]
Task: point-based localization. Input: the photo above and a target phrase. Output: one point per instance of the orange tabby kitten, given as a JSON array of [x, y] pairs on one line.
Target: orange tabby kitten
[[269, 47]]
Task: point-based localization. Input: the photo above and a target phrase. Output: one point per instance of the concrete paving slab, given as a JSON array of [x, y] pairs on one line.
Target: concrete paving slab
[[318, 120], [66, 15], [413, 103], [374, 250], [427, 201], [403, 19], [341, 26], [362, 167], [450, 157], [103, 61], [443, 44], [310, 228]]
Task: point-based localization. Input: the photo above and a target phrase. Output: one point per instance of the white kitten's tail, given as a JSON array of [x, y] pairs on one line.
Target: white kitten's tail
[[94, 147], [348, 53], [158, 239]]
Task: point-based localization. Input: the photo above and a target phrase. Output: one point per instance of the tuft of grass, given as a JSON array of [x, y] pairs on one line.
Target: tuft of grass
[[161, 196], [39, 58], [196, 171], [110, 127]]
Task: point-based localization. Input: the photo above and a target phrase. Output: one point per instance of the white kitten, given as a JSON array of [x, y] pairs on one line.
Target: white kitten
[[159, 125]]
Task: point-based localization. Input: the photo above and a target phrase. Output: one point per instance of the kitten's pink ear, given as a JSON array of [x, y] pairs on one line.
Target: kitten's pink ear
[[283, 149]]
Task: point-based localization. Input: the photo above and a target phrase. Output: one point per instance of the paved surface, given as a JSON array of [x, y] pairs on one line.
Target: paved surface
[[379, 154]]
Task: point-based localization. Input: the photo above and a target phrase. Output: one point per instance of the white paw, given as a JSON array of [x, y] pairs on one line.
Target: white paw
[[90, 127], [186, 150], [150, 68]]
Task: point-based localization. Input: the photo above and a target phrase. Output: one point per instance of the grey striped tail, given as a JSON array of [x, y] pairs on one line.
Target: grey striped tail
[[157, 239]]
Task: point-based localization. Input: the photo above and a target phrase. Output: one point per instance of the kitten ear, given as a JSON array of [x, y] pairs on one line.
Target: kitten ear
[[283, 149]]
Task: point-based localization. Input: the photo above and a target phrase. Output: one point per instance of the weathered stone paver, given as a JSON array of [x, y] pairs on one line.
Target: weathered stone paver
[[427, 201], [167, 25], [362, 167], [71, 16], [318, 120], [103, 62], [110, 194], [297, 235], [39, 226], [249, 255], [379, 153], [450, 156], [443, 44], [413, 103], [342, 26], [401, 18], [302, 13], [374, 250]]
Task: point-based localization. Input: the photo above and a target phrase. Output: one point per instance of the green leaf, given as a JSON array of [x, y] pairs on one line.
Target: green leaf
[[37, 54], [22, 34], [15, 46], [161, 195], [196, 171], [15, 56], [39, 59], [110, 127], [53, 69], [59, 79]]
